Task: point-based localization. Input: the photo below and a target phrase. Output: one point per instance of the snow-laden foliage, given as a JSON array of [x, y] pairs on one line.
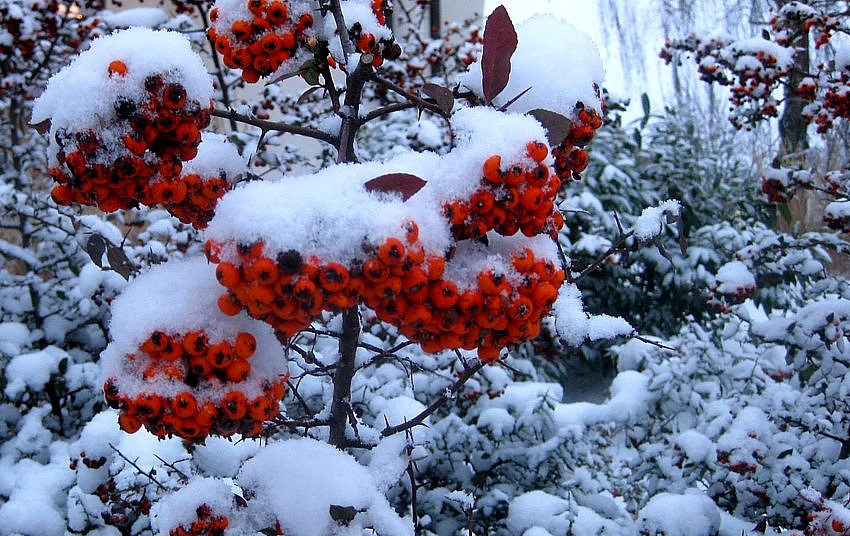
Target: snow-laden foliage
[[721, 410]]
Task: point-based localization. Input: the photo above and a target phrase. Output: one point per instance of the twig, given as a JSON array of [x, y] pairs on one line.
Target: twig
[[139, 469], [435, 405], [264, 125]]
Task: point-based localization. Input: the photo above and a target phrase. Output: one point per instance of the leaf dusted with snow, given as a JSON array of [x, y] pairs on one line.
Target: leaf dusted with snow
[[500, 43], [651, 222], [404, 184]]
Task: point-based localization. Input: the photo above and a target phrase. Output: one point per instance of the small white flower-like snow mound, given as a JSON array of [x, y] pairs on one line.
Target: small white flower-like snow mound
[[734, 277], [302, 483], [82, 94], [689, 514], [537, 62]]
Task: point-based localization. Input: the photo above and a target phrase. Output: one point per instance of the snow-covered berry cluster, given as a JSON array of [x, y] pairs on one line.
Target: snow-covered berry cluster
[[511, 197], [258, 36], [570, 156], [128, 147], [186, 372]]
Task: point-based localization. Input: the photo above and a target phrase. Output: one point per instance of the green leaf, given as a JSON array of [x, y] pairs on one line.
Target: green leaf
[[785, 212]]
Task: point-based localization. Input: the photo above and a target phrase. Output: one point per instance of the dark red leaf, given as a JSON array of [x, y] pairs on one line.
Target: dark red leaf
[[557, 126], [42, 127], [403, 184], [442, 95], [500, 41]]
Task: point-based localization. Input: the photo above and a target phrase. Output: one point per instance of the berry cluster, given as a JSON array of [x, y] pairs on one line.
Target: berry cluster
[[402, 284], [200, 369], [496, 310], [206, 524], [145, 139], [753, 70], [570, 157], [367, 43], [192, 198], [257, 36], [510, 198]]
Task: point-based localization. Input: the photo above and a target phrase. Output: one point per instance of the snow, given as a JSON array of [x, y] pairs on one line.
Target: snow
[[32, 371], [334, 202], [147, 17], [88, 74], [179, 508], [295, 482], [216, 156], [629, 401], [754, 45], [532, 67], [690, 514], [732, 276], [574, 326], [696, 446], [538, 509], [652, 220]]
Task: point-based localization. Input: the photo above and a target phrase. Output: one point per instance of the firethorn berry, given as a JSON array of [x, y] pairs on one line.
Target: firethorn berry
[[227, 274], [117, 67]]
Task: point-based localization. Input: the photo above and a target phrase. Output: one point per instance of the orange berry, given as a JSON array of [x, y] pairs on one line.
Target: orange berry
[[256, 6], [391, 252], [470, 303], [276, 12], [538, 151], [129, 423], [234, 405], [184, 404], [261, 409], [544, 295], [374, 270], [334, 277], [148, 406], [200, 366], [117, 67], [443, 294], [488, 354], [195, 343], [172, 351], [250, 75], [220, 355], [523, 260], [241, 30], [228, 305], [263, 270], [228, 274], [482, 202], [493, 170], [62, 195], [245, 345], [238, 370], [490, 282]]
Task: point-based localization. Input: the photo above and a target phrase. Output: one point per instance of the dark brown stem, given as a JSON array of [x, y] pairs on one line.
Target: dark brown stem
[[467, 373], [276, 126], [343, 375], [219, 69]]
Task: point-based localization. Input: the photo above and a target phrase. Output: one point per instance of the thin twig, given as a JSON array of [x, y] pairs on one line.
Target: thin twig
[[139, 469], [262, 124]]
